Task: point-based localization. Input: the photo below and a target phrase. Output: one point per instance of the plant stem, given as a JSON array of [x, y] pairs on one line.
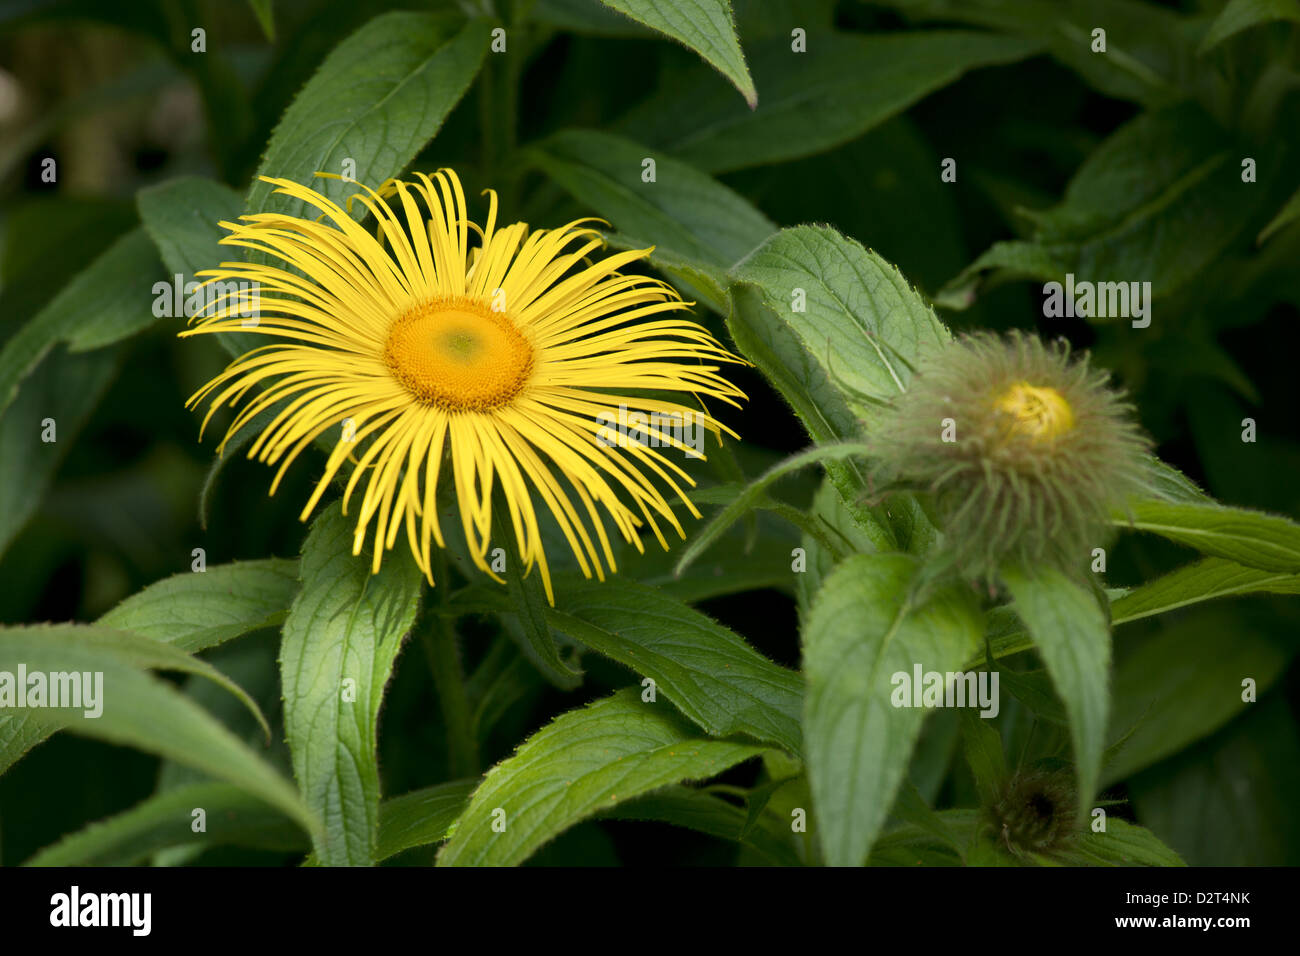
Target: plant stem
[[442, 649]]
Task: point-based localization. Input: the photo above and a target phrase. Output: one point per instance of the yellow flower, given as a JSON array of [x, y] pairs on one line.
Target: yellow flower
[[495, 353]]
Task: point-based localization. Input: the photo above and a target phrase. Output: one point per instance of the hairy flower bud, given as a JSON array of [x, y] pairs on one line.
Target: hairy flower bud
[[1035, 812], [1025, 450]]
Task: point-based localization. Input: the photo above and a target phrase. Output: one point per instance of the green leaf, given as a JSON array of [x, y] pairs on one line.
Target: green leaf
[[1001, 262], [1072, 635], [378, 98], [863, 629], [138, 709], [706, 670], [341, 637], [27, 461], [1159, 201], [705, 26], [108, 301], [182, 218], [857, 316], [982, 746], [1241, 15], [1184, 682], [752, 495], [1203, 581], [1230, 800], [132, 649], [1253, 538], [841, 87], [763, 337], [1149, 49], [817, 288], [166, 820], [421, 817], [194, 610], [1122, 844], [1288, 214], [584, 762], [1166, 483], [685, 214], [265, 17]]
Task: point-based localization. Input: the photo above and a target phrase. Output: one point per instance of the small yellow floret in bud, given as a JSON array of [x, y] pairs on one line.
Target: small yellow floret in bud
[[1038, 413]]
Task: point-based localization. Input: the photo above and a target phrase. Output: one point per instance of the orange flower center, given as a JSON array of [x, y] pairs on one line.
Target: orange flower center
[[459, 355]]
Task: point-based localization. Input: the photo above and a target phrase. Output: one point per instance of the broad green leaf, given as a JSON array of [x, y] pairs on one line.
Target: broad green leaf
[[752, 495], [182, 217], [1253, 538], [376, 100], [19, 731], [1203, 581], [853, 312], [1184, 682], [46, 408], [421, 817], [586, 761], [196, 610], [341, 637], [763, 337], [682, 212], [252, 666], [706, 670], [912, 844], [166, 820], [1072, 635], [1230, 800], [1150, 50], [705, 26], [108, 301], [1166, 483], [829, 509], [704, 812], [138, 710], [863, 630], [1241, 15], [1158, 202], [1121, 844], [841, 87], [910, 808]]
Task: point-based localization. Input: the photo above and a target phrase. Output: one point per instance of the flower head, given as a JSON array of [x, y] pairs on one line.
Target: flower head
[[1034, 812], [436, 345], [1025, 450]]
